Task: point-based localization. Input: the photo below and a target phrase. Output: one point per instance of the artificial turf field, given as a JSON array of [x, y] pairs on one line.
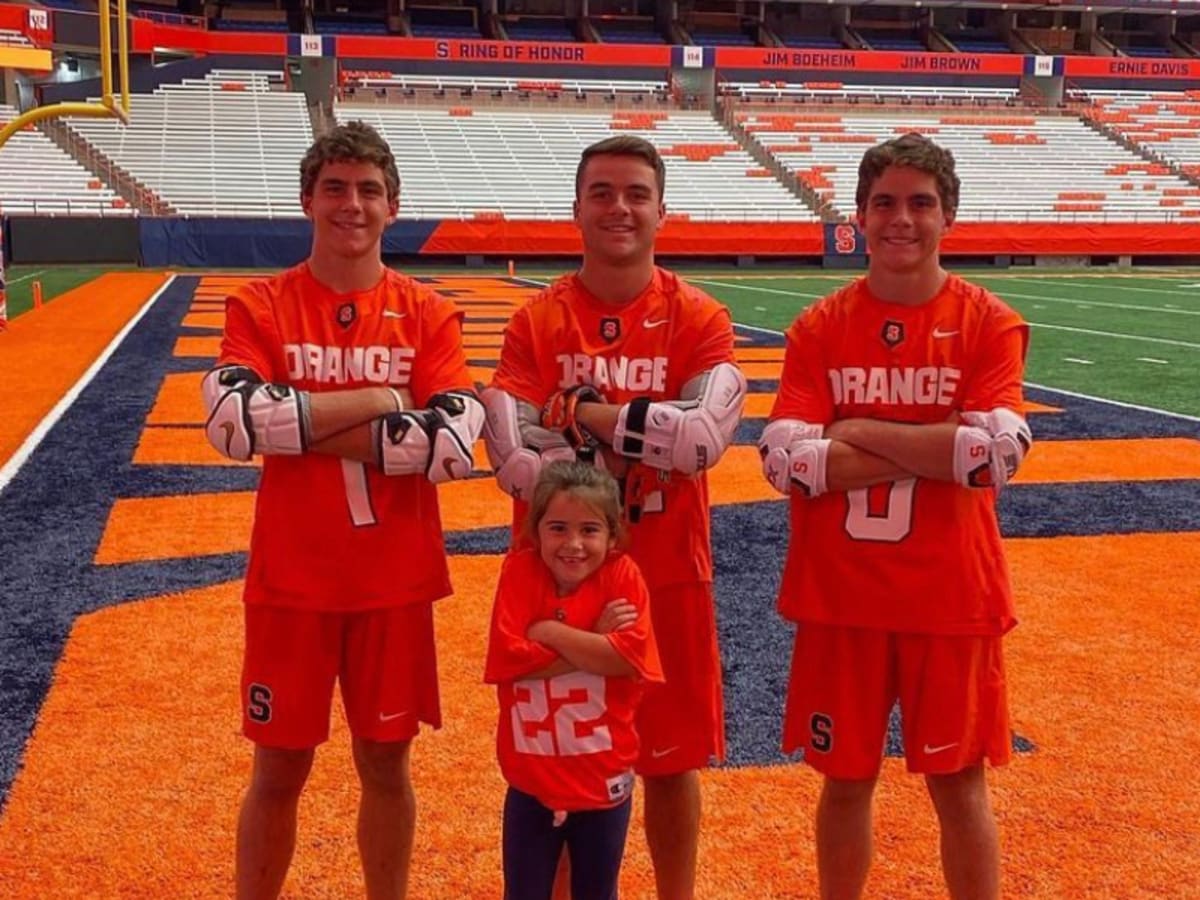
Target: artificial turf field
[[123, 539]]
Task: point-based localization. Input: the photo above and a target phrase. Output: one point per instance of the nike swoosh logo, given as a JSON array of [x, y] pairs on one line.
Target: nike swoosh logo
[[448, 465], [654, 323], [930, 751], [659, 754], [387, 717], [938, 333], [227, 427], [392, 314]]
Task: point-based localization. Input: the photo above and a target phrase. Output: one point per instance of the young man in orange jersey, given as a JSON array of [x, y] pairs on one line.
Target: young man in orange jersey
[[624, 363], [897, 422], [349, 380]]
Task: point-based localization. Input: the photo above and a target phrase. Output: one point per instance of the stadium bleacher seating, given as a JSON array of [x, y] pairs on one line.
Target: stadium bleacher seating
[[10, 38], [473, 163], [1014, 168], [816, 41], [721, 39], [540, 28], [1164, 122], [223, 145], [892, 39], [838, 92], [37, 176], [627, 32]]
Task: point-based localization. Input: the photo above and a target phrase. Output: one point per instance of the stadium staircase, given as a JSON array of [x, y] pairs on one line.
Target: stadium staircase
[[139, 196], [37, 177], [227, 144], [768, 161]]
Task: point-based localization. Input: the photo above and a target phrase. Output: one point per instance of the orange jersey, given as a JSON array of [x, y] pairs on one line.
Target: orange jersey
[[306, 550], [914, 555], [568, 740], [650, 347]]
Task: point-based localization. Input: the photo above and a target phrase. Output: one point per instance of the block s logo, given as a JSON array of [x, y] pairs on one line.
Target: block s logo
[[820, 727], [258, 703], [844, 239]]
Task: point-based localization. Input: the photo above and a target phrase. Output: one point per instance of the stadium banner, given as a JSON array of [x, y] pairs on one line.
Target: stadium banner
[[870, 61], [678, 237], [1071, 239], [151, 36], [33, 22], [1127, 67], [844, 243], [28, 58], [525, 52]]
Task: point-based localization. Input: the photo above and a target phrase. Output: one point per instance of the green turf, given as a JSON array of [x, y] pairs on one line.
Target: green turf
[[55, 280], [1147, 350], [1149, 356]]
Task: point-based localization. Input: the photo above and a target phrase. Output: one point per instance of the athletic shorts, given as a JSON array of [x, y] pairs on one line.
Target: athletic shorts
[[384, 659], [844, 682], [681, 723]]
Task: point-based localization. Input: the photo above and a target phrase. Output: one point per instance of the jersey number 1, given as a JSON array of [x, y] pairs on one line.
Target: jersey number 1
[[358, 495], [882, 512]]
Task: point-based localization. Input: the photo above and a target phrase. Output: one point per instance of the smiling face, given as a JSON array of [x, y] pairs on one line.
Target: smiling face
[[573, 539], [618, 209], [349, 209], [904, 220]]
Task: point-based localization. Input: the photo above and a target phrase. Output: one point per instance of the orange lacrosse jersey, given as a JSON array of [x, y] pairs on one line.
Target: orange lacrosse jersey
[[568, 740], [650, 347], [332, 534], [915, 555]]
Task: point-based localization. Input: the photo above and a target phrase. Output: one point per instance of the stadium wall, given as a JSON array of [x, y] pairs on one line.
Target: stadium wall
[[36, 240], [277, 243]]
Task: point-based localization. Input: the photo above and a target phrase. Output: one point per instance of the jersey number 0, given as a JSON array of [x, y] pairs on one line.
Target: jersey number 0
[[882, 512]]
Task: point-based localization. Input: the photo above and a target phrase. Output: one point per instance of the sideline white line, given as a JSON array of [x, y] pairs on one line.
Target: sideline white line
[[27, 277], [1079, 302], [1118, 335], [1116, 286], [1054, 390], [750, 287], [1120, 403], [10, 469]]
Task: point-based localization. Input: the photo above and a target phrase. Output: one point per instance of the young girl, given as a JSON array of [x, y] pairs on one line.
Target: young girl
[[571, 647]]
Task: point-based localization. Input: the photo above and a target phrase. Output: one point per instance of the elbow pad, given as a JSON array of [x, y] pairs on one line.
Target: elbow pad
[[436, 442], [248, 416], [687, 435]]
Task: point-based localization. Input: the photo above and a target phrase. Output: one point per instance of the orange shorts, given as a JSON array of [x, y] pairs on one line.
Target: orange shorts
[[384, 659], [681, 723], [844, 681]]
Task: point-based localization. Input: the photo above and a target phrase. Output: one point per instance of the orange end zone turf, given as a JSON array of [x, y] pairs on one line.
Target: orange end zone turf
[[52, 347], [131, 781], [154, 685]]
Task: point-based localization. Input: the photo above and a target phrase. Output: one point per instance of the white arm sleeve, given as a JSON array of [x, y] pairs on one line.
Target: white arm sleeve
[[517, 445]]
